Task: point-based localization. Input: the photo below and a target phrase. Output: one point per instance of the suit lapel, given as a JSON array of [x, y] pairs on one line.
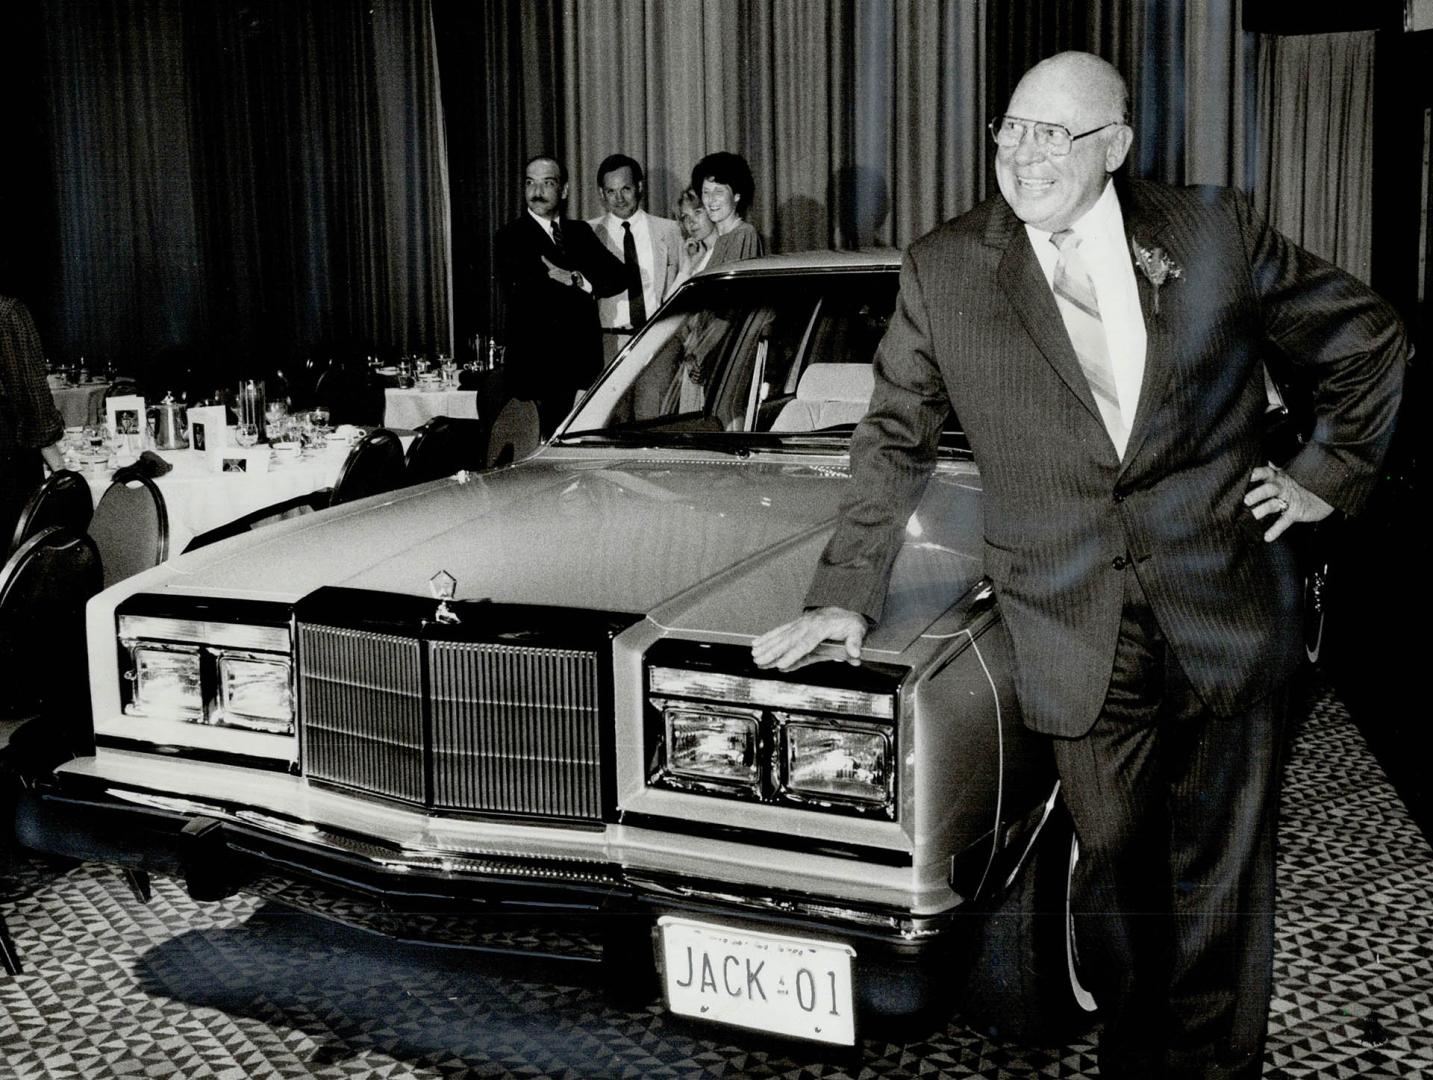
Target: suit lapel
[[1023, 282], [1149, 227]]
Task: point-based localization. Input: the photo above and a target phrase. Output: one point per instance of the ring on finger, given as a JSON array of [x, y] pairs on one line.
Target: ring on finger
[[1283, 503]]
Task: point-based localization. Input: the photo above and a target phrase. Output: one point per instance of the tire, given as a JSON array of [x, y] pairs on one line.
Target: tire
[[1023, 983]]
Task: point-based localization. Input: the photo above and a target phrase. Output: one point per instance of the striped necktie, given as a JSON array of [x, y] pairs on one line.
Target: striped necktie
[[1080, 308]]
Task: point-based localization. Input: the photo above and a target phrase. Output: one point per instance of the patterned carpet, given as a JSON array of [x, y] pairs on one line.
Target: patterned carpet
[[249, 989]]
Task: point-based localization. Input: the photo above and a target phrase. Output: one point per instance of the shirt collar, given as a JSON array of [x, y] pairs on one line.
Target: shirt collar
[[614, 223], [1104, 219], [546, 223]]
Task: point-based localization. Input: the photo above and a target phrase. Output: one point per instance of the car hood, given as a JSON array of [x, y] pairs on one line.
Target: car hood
[[716, 545]]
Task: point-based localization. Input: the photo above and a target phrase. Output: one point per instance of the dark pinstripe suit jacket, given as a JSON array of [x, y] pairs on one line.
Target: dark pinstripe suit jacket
[[976, 327]]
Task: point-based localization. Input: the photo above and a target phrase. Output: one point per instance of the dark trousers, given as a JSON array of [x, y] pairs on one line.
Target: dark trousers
[[21, 472], [1176, 810]]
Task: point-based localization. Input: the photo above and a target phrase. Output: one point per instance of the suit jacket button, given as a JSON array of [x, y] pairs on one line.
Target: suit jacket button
[[1120, 562], [1119, 496]]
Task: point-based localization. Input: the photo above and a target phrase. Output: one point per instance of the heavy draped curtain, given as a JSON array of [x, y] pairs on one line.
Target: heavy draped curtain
[[828, 100], [250, 181], [260, 180], [863, 120], [1316, 147]]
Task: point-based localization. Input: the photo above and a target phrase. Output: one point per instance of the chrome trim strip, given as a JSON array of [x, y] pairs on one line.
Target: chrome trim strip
[[203, 632], [404, 860], [909, 927]]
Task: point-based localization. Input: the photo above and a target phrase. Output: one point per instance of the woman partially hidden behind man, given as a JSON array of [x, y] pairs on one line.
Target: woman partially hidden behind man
[[714, 223]]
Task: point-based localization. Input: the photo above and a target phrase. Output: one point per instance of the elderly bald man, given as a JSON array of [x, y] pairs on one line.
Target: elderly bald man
[[1100, 340]]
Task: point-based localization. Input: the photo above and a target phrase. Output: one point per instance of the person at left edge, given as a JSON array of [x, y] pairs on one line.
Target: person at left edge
[[552, 270], [31, 428], [650, 260]]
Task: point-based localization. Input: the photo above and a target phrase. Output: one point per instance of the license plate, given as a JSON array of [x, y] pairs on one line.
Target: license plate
[[768, 982]]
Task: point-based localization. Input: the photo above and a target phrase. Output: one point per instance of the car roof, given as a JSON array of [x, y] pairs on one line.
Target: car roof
[[799, 262]]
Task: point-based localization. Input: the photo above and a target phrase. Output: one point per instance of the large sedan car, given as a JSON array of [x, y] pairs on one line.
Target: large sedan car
[[525, 697]]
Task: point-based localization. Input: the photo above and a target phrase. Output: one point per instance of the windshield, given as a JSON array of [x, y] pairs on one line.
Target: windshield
[[780, 356]]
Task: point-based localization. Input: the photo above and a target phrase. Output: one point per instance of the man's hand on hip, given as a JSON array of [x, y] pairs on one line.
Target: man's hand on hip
[[1274, 491], [789, 644]]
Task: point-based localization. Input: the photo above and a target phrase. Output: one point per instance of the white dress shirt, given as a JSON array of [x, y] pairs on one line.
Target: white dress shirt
[[546, 224], [642, 235], [1106, 255]]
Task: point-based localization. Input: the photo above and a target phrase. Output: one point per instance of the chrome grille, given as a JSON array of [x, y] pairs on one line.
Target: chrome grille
[[361, 700], [512, 729], [515, 729]]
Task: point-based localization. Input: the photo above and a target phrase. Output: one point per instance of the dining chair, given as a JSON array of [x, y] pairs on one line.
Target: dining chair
[[373, 466], [442, 446], [131, 528], [43, 589], [63, 499], [515, 433]]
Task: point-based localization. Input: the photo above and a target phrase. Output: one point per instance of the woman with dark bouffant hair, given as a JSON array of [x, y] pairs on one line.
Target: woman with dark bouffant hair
[[724, 182]]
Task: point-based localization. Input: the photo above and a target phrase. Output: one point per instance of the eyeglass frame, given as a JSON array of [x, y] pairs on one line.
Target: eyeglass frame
[[1028, 127]]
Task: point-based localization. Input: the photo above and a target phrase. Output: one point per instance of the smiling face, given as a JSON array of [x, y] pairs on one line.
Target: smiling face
[[721, 205], [1081, 92], [694, 221], [620, 193], [543, 188]]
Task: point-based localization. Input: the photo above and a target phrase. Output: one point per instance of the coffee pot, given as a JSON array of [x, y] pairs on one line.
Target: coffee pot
[[170, 427]]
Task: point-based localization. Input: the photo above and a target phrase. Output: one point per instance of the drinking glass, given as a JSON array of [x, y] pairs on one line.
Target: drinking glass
[[319, 416], [246, 435]]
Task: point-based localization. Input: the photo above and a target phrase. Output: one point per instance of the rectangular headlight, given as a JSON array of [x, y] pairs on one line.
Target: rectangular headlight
[[256, 692], [204, 684], [771, 693], [837, 761], [712, 745], [167, 682]]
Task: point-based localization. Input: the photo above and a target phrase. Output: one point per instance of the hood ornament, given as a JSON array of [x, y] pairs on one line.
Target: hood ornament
[[444, 587]]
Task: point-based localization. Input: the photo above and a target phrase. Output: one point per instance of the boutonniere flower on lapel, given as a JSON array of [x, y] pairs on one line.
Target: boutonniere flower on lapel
[[1156, 265]]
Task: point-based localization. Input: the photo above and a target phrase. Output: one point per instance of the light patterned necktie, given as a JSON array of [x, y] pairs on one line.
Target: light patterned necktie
[[1080, 308]]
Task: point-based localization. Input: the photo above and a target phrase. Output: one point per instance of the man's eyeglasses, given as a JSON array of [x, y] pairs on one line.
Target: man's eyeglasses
[[1054, 139]]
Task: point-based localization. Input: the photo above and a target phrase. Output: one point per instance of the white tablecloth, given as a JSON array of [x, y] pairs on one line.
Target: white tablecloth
[[199, 499], [80, 405], [411, 408]]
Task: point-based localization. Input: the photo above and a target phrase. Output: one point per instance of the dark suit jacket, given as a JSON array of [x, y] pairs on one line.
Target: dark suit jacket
[[554, 340], [976, 326]]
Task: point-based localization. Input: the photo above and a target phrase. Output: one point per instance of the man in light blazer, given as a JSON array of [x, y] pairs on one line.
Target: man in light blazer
[[1101, 345], [651, 257]]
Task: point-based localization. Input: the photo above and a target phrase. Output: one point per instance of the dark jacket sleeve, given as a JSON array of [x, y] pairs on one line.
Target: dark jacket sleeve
[[27, 409], [1349, 342], [591, 257], [893, 453]]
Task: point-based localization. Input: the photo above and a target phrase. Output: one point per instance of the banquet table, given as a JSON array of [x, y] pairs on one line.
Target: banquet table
[[199, 499], [82, 404], [410, 408]]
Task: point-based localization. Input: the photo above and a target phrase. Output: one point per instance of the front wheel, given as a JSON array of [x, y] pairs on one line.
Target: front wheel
[[1024, 982]]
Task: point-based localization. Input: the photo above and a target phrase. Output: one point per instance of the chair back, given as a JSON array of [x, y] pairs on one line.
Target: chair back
[[515, 433], [44, 586], [373, 466], [444, 445], [63, 499], [131, 528]]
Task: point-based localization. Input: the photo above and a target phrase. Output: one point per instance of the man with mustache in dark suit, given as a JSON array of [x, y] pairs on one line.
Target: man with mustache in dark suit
[[552, 269], [1101, 342]]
